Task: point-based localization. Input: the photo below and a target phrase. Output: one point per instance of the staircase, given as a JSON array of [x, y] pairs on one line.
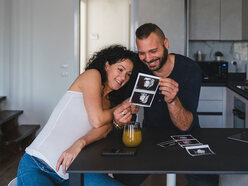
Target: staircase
[[14, 138]]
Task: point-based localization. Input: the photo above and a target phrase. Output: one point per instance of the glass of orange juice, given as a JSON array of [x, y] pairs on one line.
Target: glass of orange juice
[[132, 136]]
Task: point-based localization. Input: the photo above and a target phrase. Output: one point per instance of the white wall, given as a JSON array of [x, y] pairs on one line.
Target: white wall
[[4, 44], [169, 16], [39, 66]]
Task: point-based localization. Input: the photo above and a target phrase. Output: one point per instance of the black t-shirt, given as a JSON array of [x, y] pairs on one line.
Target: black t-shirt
[[187, 74]]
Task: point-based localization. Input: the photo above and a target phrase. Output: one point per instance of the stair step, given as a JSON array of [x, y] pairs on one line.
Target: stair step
[[7, 115], [19, 133]]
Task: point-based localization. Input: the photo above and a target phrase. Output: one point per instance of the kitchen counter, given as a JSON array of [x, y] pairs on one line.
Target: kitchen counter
[[214, 84], [233, 87], [234, 79], [226, 101]]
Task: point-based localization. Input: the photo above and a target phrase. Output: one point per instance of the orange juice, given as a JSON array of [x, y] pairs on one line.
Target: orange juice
[[132, 137]]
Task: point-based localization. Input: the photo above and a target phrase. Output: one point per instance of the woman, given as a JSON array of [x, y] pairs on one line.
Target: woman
[[82, 116]]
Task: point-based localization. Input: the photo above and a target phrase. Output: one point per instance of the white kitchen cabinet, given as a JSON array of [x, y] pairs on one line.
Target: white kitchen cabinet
[[230, 106], [204, 19], [231, 20], [218, 20], [212, 107]]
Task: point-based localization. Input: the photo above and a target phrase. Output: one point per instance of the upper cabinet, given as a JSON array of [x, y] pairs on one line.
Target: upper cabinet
[[231, 20], [204, 19], [218, 20]]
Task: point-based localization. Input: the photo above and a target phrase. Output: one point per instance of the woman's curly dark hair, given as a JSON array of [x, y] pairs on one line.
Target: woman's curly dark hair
[[113, 54]]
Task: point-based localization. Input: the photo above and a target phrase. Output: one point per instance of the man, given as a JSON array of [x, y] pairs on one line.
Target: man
[[175, 104]]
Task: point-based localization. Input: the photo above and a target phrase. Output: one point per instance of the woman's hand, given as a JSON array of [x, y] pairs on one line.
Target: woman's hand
[[123, 113], [134, 109], [69, 155]]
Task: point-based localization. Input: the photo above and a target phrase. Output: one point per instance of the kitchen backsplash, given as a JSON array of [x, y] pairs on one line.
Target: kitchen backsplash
[[231, 50]]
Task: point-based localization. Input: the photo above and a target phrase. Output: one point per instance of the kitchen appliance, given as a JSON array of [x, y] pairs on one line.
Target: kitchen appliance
[[199, 56], [213, 71], [238, 113]]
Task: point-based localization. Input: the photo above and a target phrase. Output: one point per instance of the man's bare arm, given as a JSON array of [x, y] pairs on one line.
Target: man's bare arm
[[180, 117]]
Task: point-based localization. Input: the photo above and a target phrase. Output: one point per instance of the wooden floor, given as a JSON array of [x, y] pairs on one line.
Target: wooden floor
[[8, 171], [8, 168]]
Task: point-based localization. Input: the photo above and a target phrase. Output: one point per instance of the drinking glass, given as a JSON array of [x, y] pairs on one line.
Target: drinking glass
[[132, 136]]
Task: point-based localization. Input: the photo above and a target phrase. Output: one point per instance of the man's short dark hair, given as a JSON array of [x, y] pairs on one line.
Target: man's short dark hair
[[146, 29]]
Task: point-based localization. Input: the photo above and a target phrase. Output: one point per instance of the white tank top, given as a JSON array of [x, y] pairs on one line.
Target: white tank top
[[68, 122]]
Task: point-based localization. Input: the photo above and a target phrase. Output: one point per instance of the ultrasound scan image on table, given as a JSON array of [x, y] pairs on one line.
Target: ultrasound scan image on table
[[200, 151]]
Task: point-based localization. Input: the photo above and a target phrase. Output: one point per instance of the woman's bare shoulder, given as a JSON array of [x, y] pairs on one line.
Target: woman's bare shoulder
[[89, 76], [91, 72]]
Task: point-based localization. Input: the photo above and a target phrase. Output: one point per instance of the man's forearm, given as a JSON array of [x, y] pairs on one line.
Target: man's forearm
[[181, 117]]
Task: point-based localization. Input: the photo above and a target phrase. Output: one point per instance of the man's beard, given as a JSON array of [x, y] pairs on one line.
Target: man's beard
[[162, 60]]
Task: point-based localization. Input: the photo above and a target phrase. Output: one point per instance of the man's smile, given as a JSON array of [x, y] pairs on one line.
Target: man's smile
[[152, 63]]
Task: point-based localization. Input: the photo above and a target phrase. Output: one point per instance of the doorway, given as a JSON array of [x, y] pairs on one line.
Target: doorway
[[102, 23]]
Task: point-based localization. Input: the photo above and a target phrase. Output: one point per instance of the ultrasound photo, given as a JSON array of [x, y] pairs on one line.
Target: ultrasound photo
[[147, 83], [142, 98], [144, 90]]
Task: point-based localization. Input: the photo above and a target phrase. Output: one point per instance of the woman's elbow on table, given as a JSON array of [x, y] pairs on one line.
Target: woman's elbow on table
[[97, 122]]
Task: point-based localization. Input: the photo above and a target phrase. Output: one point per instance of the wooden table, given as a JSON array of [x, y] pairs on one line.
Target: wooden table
[[230, 158]]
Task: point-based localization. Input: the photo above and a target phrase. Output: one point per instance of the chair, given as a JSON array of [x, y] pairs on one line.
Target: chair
[[13, 182]]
